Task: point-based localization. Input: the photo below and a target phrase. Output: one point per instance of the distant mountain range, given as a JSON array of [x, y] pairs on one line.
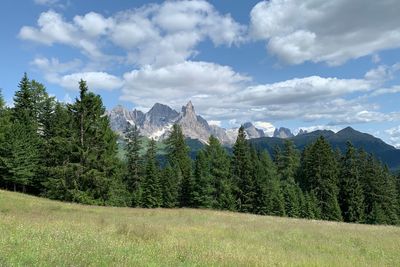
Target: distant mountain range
[[158, 121]]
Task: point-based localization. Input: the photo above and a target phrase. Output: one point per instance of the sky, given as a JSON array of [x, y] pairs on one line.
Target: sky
[[310, 64]]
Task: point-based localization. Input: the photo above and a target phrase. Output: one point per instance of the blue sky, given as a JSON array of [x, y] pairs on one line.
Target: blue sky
[[318, 64]]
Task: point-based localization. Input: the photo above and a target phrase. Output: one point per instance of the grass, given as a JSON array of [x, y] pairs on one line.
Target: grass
[[41, 232]]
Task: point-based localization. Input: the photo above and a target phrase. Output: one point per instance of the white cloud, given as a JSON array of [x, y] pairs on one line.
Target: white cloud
[[95, 81], [308, 89], [93, 24], [267, 127], [157, 34], [326, 31], [318, 127], [178, 83], [214, 122], [394, 136], [46, 2]]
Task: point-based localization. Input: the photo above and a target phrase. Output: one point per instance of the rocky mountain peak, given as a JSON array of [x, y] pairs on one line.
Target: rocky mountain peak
[[283, 133], [188, 110]]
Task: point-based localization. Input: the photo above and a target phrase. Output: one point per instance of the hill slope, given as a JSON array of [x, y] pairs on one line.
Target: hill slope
[[382, 151], [37, 231]]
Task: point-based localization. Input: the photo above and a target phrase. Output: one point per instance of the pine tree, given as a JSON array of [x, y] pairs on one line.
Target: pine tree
[[203, 189], [320, 172], [94, 159], [219, 170], [152, 197], [170, 187], [178, 158], [351, 191], [134, 162], [269, 198], [241, 169], [288, 163], [5, 128]]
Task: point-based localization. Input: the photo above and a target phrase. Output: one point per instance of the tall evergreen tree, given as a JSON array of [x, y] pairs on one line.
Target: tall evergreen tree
[[178, 158], [242, 173], [320, 172], [170, 186], [94, 161], [269, 198], [288, 162], [219, 170], [5, 128], [203, 188], [134, 161], [351, 191], [152, 197]]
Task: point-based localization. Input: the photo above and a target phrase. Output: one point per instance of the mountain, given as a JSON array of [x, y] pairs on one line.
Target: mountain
[[283, 133], [384, 152], [158, 121]]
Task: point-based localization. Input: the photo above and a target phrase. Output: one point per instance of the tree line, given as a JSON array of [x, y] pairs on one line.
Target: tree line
[[68, 152]]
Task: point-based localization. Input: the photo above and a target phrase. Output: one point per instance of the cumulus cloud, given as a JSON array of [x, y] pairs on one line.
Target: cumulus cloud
[[178, 83], [318, 127], [326, 31], [157, 34], [68, 75], [394, 136], [267, 127]]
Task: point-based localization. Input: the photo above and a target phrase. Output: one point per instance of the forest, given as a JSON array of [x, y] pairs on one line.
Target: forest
[[68, 152]]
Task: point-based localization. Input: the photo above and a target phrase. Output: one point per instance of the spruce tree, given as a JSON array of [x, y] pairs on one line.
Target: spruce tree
[[134, 163], [203, 188], [219, 170], [152, 197], [320, 172], [269, 198], [288, 162], [170, 186], [5, 128], [178, 158], [94, 160], [351, 191], [241, 169]]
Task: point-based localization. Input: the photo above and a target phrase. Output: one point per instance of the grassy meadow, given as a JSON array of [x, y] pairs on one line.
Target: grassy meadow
[[41, 232]]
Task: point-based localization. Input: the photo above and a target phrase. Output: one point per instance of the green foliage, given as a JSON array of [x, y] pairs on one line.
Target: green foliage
[[178, 158], [134, 171], [170, 187], [351, 192], [152, 197], [203, 187], [320, 178], [241, 169], [70, 153], [219, 170]]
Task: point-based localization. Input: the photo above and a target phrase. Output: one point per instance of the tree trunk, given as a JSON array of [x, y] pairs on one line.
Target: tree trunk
[[15, 187]]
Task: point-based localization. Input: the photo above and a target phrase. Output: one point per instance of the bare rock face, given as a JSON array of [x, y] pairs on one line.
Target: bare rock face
[[283, 133], [158, 121]]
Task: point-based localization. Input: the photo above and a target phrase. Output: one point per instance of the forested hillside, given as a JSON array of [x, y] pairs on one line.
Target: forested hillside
[[69, 152]]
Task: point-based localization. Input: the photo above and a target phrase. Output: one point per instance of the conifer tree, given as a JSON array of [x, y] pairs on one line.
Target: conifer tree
[[288, 163], [152, 197], [134, 177], [178, 158], [203, 189], [351, 191], [219, 170], [94, 159], [242, 173], [321, 178], [5, 127], [269, 198], [170, 186]]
